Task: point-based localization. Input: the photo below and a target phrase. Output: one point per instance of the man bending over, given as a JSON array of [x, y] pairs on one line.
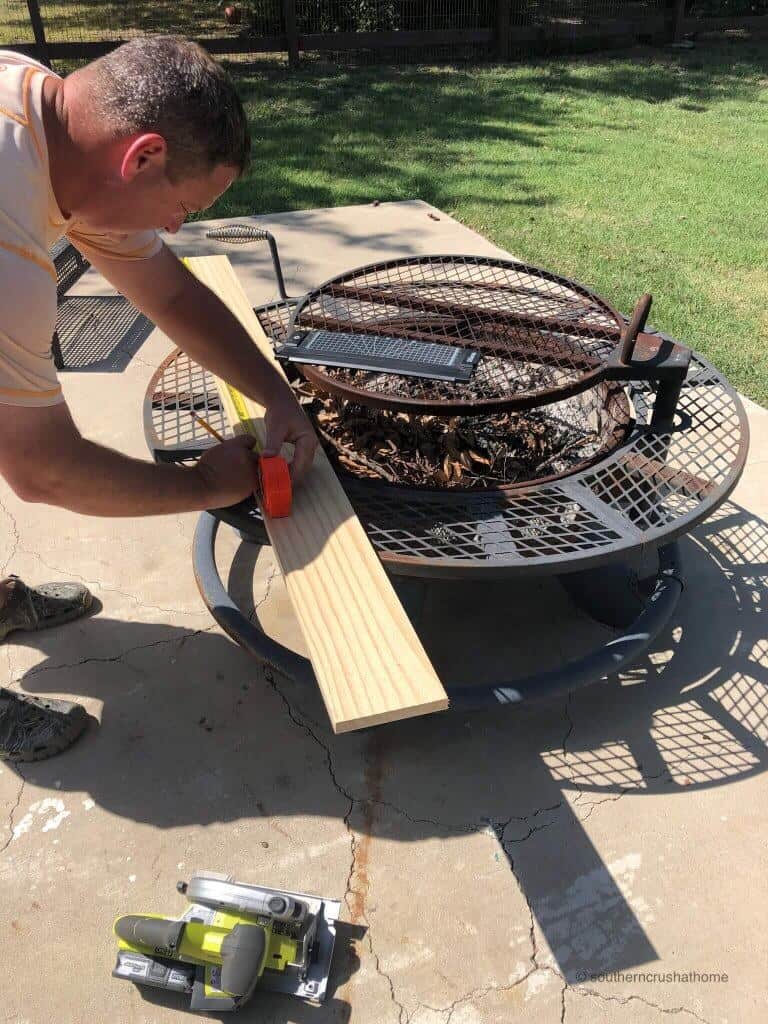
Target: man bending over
[[132, 143]]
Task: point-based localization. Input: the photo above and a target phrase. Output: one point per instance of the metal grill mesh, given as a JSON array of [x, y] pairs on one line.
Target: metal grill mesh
[[542, 337], [183, 386], [653, 487], [661, 477], [537, 524]]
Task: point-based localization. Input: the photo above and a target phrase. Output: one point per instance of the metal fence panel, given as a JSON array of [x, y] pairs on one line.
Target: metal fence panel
[[389, 30]]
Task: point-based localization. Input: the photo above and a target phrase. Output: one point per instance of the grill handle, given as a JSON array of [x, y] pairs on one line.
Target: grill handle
[[239, 234], [634, 327]]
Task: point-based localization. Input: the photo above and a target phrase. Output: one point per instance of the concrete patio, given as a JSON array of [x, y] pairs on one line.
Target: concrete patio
[[539, 864]]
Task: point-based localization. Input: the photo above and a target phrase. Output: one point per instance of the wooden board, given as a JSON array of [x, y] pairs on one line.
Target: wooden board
[[368, 660]]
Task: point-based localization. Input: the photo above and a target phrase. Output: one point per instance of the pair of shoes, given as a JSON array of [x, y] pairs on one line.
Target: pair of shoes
[[33, 728], [51, 604]]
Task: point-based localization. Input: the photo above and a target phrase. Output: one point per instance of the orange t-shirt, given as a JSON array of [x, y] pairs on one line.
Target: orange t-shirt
[[30, 223]]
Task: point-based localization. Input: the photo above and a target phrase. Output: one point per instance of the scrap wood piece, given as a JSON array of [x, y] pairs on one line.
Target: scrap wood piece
[[369, 662]]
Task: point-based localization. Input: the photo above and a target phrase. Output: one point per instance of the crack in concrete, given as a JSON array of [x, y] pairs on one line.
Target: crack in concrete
[[613, 798], [270, 580], [580, 792], [13, 810], [454, 829], [458, 830], [480, 993], [180, 640], [403, 1016], [268, 675], [354, 801], [498, 828], [608, 800], [103, 588], [532, 829], [563, 990], [534, 954], [569, 720], [623, 1000], [16, 539], [263, 600]]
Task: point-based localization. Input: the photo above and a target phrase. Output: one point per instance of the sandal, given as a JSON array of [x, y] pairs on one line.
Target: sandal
[[51, 604], [33, 728]]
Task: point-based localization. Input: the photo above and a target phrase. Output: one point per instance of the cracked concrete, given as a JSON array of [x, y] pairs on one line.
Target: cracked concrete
[[12, 813], [638, 1008], [538, 862], [13, 546]]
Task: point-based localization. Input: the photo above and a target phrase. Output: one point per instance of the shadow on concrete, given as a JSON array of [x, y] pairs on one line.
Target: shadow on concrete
[[193, 731]]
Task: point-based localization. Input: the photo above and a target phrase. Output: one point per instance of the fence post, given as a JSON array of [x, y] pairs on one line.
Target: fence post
[[503, 23], [37, 27], [291, 31]]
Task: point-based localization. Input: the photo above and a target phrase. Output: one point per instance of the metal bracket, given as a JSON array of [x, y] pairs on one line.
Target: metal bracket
[[650, 355]]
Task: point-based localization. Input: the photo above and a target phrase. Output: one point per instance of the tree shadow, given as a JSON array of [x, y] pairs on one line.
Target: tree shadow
[[326, 135]]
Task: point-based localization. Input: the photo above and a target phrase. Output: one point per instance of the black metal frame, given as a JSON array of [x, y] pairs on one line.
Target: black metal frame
[[611, 658]]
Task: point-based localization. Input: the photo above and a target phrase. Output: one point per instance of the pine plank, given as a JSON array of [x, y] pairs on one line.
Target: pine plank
[[368, 660]]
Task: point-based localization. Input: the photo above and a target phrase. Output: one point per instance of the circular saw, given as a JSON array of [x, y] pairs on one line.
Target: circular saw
[[232, 939]]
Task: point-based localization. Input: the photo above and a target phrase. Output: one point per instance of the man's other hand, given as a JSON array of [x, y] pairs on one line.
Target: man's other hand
[[286, 421]]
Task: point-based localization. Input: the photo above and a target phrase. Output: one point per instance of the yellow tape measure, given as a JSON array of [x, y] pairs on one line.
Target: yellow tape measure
[[274, 478], [242, 414]]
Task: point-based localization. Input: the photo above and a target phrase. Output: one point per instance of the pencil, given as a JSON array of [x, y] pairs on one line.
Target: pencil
[[205, 425]]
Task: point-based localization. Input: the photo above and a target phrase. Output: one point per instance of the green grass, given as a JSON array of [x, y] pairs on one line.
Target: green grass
[[646, 172], [95, 20]]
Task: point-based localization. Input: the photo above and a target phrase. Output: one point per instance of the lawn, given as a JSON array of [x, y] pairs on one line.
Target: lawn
[[94, 20], [643, 172]]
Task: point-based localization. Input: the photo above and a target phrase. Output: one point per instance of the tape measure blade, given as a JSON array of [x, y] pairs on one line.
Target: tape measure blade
[[246, 421], [276, 482]]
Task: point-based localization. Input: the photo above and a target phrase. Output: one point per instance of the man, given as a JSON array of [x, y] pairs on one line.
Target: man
[[132, 143]]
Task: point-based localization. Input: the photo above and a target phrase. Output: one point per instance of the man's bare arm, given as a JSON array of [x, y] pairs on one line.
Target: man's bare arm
[[45, 459], [199, 323]]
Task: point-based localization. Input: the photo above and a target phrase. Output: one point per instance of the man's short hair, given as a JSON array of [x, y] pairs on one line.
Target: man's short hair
[[171, 86]]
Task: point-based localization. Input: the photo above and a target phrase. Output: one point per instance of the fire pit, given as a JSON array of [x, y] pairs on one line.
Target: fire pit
[[543, 400], [581, 437]]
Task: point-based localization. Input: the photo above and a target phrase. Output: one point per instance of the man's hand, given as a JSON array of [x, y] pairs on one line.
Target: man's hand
[[229, 471], [44, 458], [285, 421], [200, 324]]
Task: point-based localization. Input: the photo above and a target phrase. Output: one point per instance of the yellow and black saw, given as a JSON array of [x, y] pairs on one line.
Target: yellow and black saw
[[231, 939]]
